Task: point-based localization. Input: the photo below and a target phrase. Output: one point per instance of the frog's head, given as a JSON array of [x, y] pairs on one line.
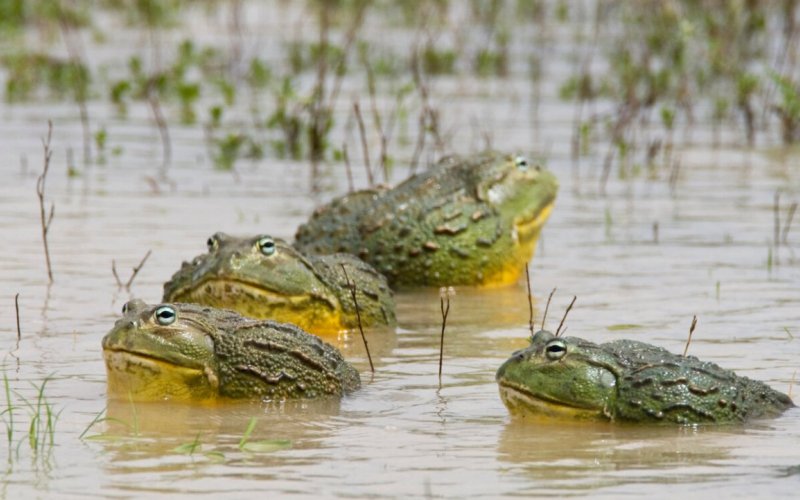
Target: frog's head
[[261, 277], [559, 376], [163, 351], [519, 189]]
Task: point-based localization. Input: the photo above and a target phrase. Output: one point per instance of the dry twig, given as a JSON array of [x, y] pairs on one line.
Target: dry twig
[[46, 219], [546, 307], [569, 308], [530, 300], [689, 339], [16, 306], [364, 146], [444, 303], [127, 285], [352, 286]]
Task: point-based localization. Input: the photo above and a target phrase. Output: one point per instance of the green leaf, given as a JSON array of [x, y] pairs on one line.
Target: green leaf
[[267, 446]]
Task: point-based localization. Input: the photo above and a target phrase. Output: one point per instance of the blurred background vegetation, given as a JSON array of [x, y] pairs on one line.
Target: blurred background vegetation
[[640, 76]]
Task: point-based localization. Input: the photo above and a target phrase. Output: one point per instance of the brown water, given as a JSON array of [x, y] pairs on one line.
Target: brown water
[[402, 434]]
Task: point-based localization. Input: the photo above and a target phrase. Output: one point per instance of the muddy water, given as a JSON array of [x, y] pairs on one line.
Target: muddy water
[[403, 434]]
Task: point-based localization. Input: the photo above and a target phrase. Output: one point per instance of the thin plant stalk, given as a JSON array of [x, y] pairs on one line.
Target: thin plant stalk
[[569, 308], [547, 307], [530, 300], [689, 338], [444, 303], [10, 410], [137, 269], [163, 129], [75, 50], [348, 170], [788, 225], [40, 185], [16, 307], [352, 286], [364, 145]]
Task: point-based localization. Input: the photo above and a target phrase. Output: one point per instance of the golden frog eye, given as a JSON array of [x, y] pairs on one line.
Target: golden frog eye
[[165, 315], [555, 349], [266, 245], [521, 162]]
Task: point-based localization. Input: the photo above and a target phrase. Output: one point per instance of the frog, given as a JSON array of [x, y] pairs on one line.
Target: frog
[[189, 352], [266, 278], [468, 221], [631, 382]]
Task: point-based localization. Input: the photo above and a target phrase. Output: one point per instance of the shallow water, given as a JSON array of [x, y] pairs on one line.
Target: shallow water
[[403, 434]]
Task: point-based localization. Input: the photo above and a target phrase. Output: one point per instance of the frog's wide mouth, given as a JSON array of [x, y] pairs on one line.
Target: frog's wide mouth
[[528, 226], [230, 291], [120, 359], [520, 399]]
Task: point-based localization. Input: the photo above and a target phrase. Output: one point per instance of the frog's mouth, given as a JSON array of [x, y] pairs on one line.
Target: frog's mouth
[[528, 226], [519, 399], [224, 292], [145, 377], [318, 313]]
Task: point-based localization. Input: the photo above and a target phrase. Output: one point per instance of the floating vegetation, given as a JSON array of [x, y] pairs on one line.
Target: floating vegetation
[[262, 446]]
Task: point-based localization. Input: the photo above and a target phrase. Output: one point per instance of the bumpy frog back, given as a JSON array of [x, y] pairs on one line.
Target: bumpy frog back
[[432, 229], [375, 298], [279, 361], [657, 385]]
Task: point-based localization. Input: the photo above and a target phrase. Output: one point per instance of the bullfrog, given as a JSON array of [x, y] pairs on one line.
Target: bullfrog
[[187, 352], [266, 278], [465, 221], [629, 381]]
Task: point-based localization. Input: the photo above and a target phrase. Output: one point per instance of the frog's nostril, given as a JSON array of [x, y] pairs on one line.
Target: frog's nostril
[[518, 356]]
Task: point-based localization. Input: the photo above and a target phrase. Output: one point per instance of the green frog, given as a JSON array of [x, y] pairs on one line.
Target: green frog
[[190, 352], [264, 277], [465, 221], [629, 381]]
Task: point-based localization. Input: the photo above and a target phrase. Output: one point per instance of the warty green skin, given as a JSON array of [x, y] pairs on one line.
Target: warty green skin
[[240, 357], [454, 224], [303, 288], [631, 381]]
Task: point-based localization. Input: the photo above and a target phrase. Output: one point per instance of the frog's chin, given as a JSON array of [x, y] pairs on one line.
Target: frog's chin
[[316, 313], [146, 378], [521, 401], [528, 228]]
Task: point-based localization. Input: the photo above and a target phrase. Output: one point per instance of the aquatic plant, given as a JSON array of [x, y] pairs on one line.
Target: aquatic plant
[[38, 418], [261, 446], [788, 108]]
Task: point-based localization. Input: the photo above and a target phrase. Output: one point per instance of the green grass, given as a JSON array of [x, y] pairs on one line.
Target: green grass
[[39, 430]]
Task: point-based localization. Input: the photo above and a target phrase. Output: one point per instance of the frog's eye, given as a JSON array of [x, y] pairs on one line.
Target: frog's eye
[[165, 315], [266, 245], [555, 349], [212, 244], [125, 308], [521, 162]]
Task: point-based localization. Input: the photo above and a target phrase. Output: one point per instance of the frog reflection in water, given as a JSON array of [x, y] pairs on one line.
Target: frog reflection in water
[[263, 277], [466, 221], [192, 352], [630, 381]]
